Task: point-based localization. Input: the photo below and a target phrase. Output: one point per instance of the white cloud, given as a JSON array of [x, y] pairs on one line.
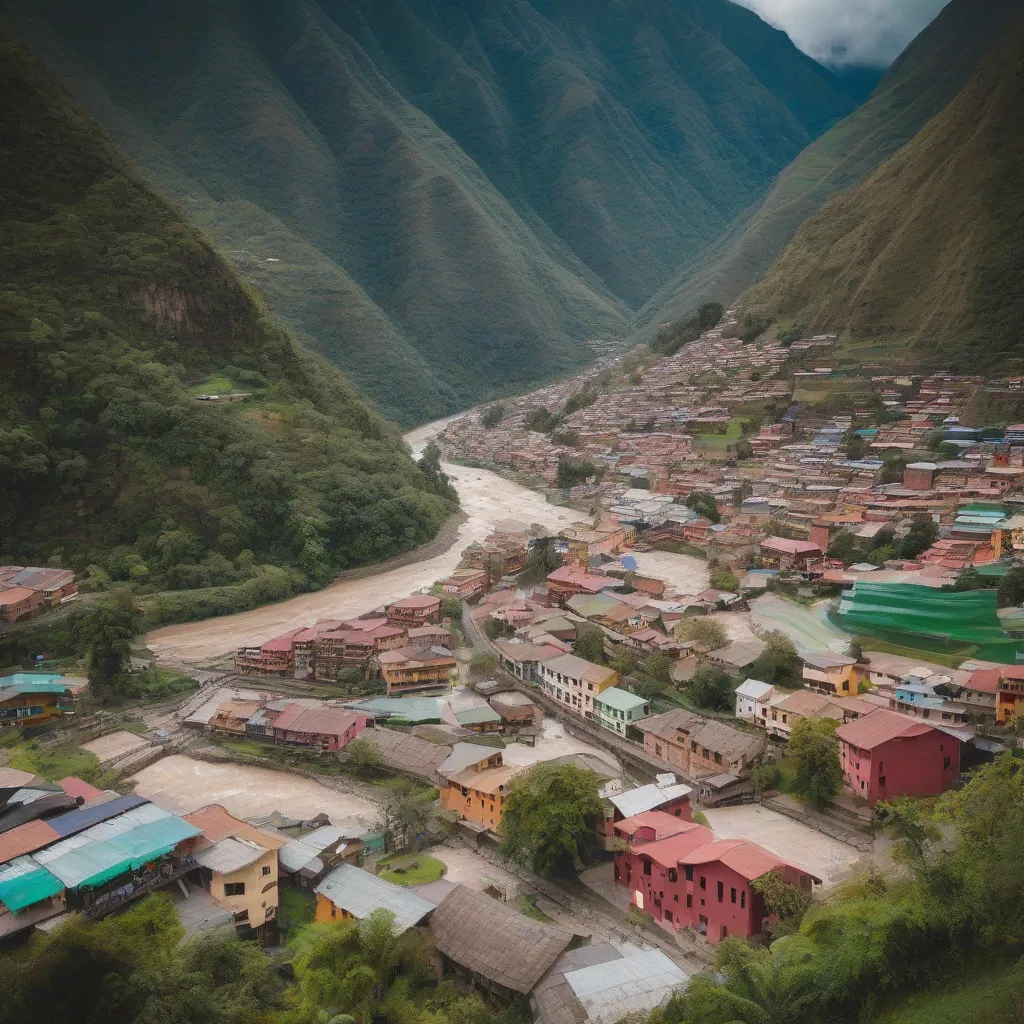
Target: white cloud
[[836, 32]]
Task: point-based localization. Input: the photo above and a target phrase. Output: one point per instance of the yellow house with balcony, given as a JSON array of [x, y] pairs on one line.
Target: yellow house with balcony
[[832, 674]]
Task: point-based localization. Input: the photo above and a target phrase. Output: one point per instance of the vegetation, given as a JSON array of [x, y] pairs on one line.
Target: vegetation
[[669, 340], [711, 688], [589, 643], [814, 752], [754, 325], [483, 665], [492, 415], [59, 761], [1011, 589], [411, 869], [934, 68], [723, 578], [105, 638], [574, 471], [543, 560], [704, 504], [779, 662], [551, 814], [406, 810], [846, 267], [364, 758], [110, 308], [704, 632], [878, 941]]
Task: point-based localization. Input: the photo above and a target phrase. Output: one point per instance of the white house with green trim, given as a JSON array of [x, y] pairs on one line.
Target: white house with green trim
[[615, 709]]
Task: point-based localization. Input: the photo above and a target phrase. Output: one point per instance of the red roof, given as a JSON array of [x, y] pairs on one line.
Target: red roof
[[323, 721], [417, 601], [790, 547], [663, 823], [985, 680], [747, 859], [77, 788], [281, 643], [675, 849], [880, 727], [15, 596], [578, 578], [27, 838]]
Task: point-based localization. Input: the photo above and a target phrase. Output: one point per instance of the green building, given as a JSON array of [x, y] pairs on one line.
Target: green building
[[616, 709]]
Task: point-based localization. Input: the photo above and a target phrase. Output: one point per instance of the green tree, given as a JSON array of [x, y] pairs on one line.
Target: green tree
[[721, 577], [364, 757], [705, 505], [923, 533], [437, 479], [893, 467], [589, 643], [743, 450], [451, 608], [814, 750], [552, 813], [779, 663], [854, 446], [915, 830], [704, 632], [1011, 589], [782, 898], [845, 547], [105, 638], [658, 666], [405, 810], [711, 688], [492, 416], [572, 472], [483, 665], [543, 560]]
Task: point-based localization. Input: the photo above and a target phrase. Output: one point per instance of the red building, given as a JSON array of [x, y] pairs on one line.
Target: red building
[[569, 580], [679, 874], [418, 610], [325, 728], [886, 754]]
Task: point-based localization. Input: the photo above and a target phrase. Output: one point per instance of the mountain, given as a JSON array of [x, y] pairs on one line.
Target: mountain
[[929, 250], [458, 196], [115, 315], [922, 81]]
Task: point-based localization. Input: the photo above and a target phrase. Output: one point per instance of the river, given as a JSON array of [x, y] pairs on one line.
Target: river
[[486, 498]]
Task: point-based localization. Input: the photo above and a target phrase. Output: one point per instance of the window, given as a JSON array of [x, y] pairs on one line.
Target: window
[[732, 895], [703, 882], [881, 766], [721, 891], [689, 900], [647, 867], [673, 875], [743, 898], [266, 869], [234, 888], [689, 872]]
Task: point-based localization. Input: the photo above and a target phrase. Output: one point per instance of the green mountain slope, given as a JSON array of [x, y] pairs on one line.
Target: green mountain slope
[[932, 70], [114, 315], [929, 250], [460, 195]]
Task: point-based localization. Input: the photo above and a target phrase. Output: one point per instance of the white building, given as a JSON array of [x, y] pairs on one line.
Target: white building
[[749, 695]]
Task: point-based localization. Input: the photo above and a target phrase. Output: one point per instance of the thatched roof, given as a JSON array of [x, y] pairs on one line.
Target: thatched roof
[[487, 938]]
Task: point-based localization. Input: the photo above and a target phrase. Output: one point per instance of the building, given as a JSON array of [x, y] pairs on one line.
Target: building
[[919, 476], [523, 659], [516, 710], [478, 796], [886, 754], [832, 674], [29, 698], [238, 866], [276, 657], [28, 590], [682, 876], [327, 729], [413, 668], [575, 683], [666, 796], [308, 858], [232, 716], [700, 746], [19, 603], [349, 893], [415, 611], [784, 554], [352, 644], [1009, 693], [570, 580], [779, 716], [748, 696], [465, 584], [493, 947], [617, 709]]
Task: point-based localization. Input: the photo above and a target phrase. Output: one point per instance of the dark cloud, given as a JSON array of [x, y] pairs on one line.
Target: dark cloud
[[838, 32]]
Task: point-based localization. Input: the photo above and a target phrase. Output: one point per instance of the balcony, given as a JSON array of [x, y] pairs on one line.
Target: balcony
[[140, 884]]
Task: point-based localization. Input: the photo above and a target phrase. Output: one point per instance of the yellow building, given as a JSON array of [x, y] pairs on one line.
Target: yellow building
[[238, 865], [832, 674], [349, 893]]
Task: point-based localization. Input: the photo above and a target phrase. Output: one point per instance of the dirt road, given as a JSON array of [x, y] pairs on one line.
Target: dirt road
[[486, 498]]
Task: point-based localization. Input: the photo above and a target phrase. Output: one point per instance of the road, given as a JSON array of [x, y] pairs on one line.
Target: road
[[486, 498]]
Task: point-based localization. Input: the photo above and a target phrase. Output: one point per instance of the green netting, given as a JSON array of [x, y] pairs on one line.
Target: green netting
[[949, 619], [24, 883]]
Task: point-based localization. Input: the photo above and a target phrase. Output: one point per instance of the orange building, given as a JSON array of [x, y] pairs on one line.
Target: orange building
[[479, 796], [415, 668], [418, 610]]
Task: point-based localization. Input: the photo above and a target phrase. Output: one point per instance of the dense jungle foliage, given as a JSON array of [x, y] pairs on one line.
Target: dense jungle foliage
[[114, 317]]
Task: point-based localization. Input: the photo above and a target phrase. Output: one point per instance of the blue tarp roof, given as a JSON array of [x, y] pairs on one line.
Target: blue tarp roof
[[23, 882], [84, 817]]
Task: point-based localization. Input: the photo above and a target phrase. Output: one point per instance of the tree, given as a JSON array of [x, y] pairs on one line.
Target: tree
[[893, 466], [658, 666], [451, 608], [492, 416], [494, 628], [782, 898], [922, 535], [105, 638], [855, 650], [814, 750], [540, 421], [573, 471], [482, 665], [589, 643], [551, 813], [711, 688], [406, 810], [704, 632], [364, 758], [743, 450], [1011, 589], [854, 446], [845, 547], [543, 560], [915, 830], [705, 505], [779, 663], [721, 577], [437, 479]]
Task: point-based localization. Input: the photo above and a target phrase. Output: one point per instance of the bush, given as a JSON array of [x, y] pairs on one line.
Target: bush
[[711, 688]]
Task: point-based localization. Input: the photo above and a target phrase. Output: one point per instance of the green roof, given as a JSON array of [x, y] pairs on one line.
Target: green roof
[[32, 682], [413, 709], [621, 700], [477, 716], [23, 882]]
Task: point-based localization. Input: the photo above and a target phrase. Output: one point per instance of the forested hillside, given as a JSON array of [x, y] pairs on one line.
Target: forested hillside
[[925, 78], [929, 250], [457, 197], [114, 316]]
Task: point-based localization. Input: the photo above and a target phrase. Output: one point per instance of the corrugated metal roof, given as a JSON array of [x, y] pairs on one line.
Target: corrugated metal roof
[[23, 882], [33, 835], [297, 853], [635, 984], [84, 817], [647, 798], [359, 893], [230, 855]]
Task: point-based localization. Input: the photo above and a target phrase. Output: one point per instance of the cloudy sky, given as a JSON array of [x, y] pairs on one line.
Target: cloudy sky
[[872, 32]]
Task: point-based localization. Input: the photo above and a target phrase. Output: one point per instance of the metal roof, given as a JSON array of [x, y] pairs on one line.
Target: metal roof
[[23, 882], [622, 700], [635, 984], [648, 798], [230, 855], [359, 893], [84, 817], [297, 853]]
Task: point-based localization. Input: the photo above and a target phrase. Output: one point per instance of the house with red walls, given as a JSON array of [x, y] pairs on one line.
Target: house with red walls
[[886, 754], [681, 875]]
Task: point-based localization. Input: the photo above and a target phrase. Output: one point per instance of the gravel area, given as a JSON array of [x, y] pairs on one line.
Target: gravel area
[[115, 744]]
